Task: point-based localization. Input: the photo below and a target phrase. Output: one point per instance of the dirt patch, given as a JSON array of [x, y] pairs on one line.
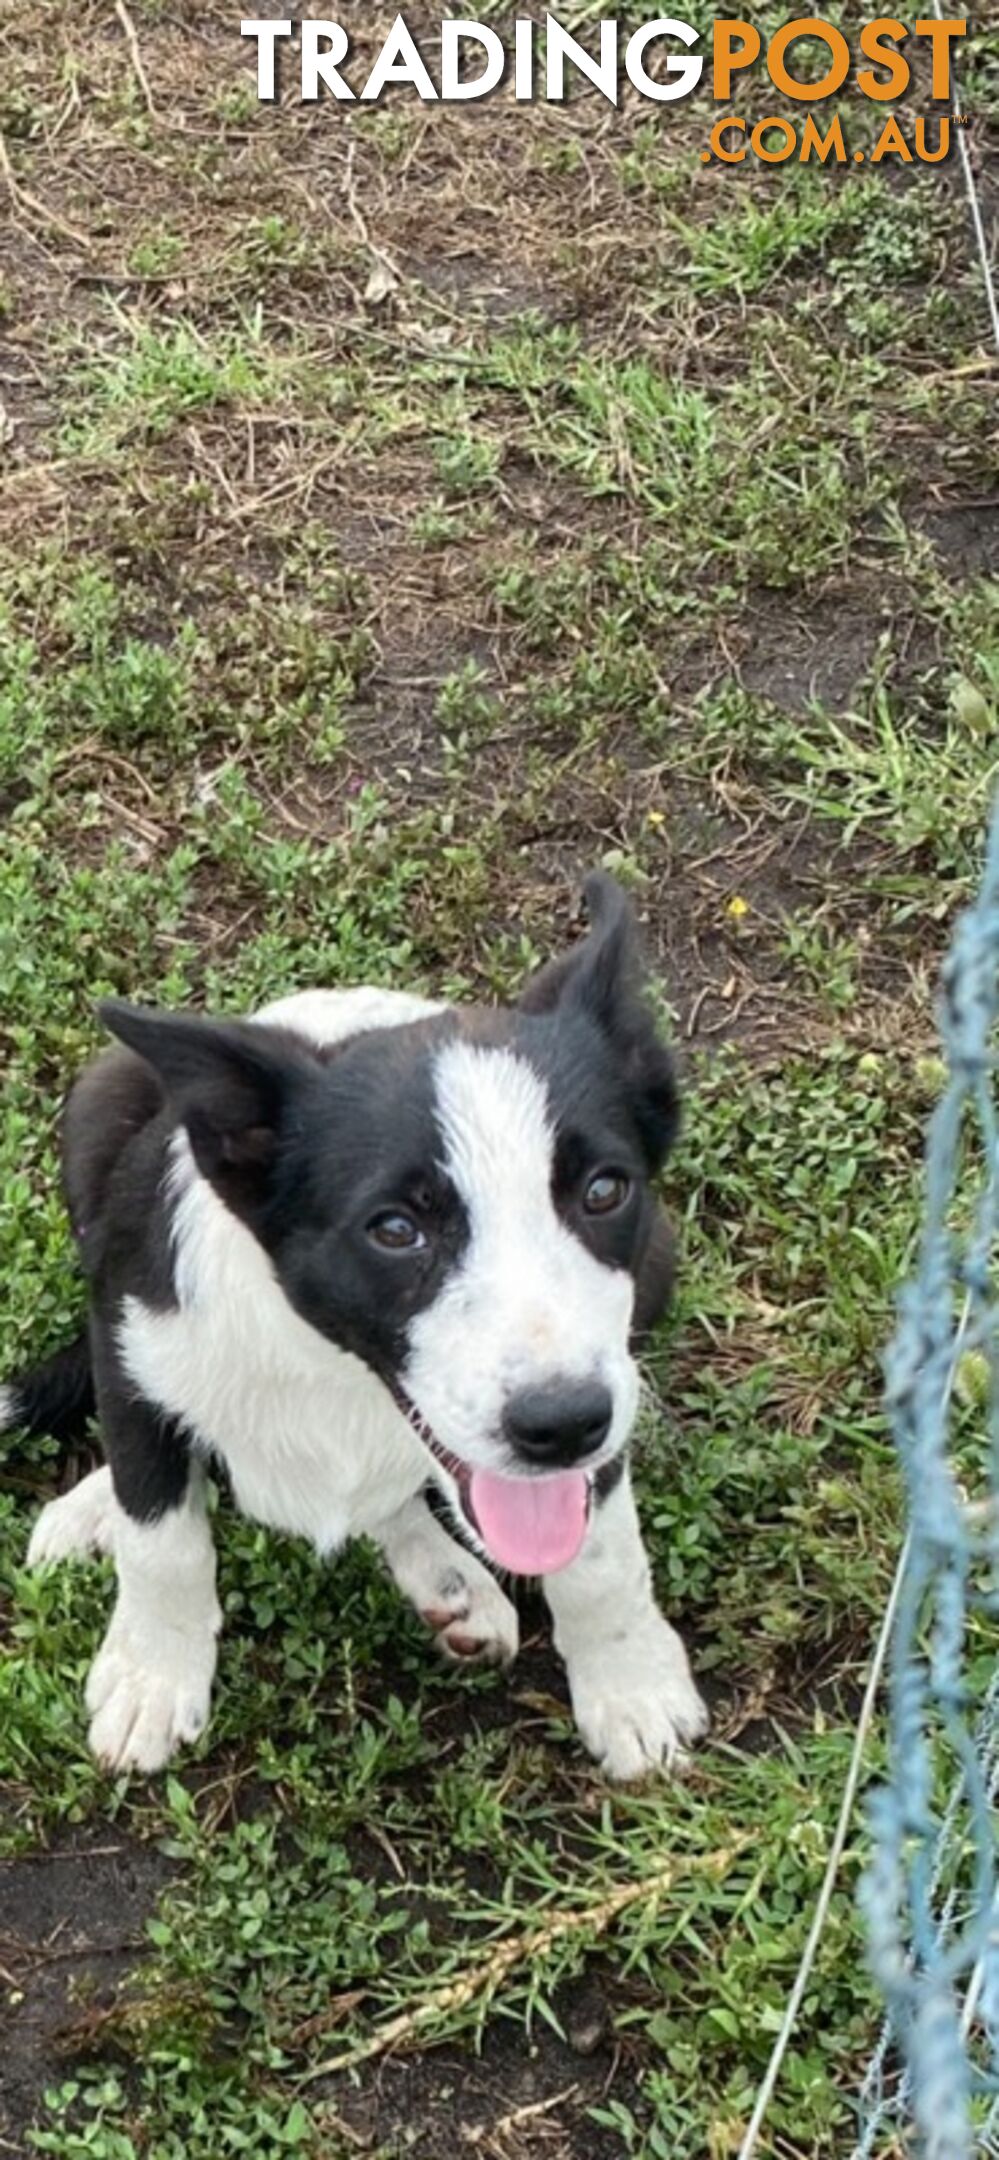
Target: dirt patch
[[966, 537], [72, 1924], [523, 2095], [471, 278], [798, 661]]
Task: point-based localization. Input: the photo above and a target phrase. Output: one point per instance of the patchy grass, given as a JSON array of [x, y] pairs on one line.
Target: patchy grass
[[401, 512]]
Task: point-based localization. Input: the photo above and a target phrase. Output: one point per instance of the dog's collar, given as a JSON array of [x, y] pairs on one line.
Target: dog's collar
[[417, 1422]]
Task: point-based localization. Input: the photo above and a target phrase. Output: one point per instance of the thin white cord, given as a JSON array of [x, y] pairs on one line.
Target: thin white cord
[[842, 1831], [975, 1989], [780, 2047], [974, 204]]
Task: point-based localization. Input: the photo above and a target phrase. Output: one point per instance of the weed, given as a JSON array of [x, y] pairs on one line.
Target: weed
[[160, 376], [157, 255]]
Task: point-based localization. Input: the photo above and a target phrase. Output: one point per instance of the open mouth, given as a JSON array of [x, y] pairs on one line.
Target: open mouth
[[528, 1525]]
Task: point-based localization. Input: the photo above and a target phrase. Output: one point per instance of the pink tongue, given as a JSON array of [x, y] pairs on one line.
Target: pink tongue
[[532, 1526]]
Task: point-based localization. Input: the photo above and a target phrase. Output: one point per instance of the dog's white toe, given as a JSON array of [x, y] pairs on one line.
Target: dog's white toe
[[80, 1522], [142, 1711], [473, 1619], [635, 1702]]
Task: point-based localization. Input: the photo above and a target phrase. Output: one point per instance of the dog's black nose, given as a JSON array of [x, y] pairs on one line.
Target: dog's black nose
[[557, 1426]]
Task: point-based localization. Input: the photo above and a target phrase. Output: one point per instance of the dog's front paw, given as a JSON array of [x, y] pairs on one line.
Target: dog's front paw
[[635, 1702], [473, 1619], [143, 1709], [79, 1522]]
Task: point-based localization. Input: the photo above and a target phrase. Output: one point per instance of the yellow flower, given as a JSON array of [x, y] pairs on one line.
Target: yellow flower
[[737, 907]]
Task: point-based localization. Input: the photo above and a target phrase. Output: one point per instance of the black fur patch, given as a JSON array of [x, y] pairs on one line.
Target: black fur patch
[[57, 1396], [148, 1451], [608, 1478], [369, 1143]]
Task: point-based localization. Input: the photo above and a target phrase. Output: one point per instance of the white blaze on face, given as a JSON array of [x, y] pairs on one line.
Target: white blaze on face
[[525, 1306]]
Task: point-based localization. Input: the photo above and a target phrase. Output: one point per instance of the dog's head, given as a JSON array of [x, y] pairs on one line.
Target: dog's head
[[464, 1203]]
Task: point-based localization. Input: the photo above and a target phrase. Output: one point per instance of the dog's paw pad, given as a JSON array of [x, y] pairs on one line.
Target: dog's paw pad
[[441, 1617], [485, 1628], [638, 1711], [457, 1643]]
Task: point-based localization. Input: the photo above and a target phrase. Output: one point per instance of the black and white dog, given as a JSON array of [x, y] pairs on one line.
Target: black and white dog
[[358, 1246]]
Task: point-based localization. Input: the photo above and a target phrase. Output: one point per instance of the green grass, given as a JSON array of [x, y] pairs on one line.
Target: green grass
[[341, 628]]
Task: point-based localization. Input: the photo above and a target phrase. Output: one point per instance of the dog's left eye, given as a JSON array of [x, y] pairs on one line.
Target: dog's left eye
[[607, 1191], [396, 1232]]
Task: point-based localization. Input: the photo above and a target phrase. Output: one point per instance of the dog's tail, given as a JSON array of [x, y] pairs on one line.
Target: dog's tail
[[55, 1397]]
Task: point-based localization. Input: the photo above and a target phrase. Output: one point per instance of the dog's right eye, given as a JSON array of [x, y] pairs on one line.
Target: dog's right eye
[[395, 1232]]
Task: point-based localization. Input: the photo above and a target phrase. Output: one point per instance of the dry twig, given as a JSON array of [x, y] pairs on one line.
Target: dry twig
[[30, 207], [497, 2131], [135, 55], [487, 1974]]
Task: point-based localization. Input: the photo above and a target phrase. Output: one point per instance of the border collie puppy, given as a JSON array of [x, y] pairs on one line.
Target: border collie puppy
[[358, 1250]]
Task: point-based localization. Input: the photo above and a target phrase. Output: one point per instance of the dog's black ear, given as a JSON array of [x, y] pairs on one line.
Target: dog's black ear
[[616, 956], [229, 1083], [603, 976], [601, 972]]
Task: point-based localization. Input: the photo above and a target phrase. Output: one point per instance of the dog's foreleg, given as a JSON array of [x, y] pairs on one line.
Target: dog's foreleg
[[457, 1597], [633, 1697], [150, 1684]]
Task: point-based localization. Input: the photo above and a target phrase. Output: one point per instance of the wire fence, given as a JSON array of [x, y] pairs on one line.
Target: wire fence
[[930, 1893]]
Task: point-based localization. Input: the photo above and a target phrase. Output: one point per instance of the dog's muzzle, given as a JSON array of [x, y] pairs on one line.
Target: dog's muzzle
[[532, 1525]]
